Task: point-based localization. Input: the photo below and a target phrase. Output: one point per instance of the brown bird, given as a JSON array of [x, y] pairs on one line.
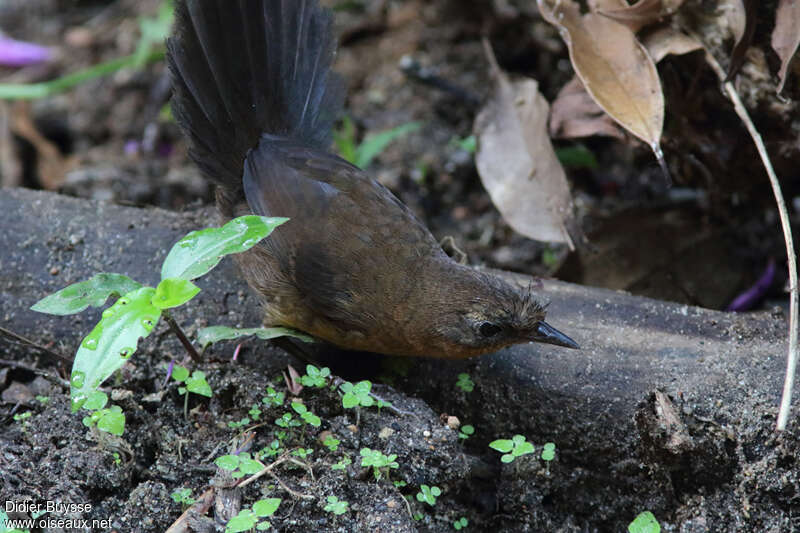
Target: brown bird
[[255, 95]]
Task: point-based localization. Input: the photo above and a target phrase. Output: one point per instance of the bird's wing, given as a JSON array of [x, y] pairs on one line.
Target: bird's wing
[[350, 246]]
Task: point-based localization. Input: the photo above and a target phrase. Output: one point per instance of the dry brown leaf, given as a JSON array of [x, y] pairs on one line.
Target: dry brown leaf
[[574, 114], [666, 41], [642, 13], [517, 163], [786, 36], [614, 67], [742, 21], [51, 165]]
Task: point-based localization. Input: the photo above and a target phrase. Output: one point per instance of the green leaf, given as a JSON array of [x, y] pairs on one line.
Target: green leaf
[[577, 156], [266, 507], [243, 521], [172, 292], [112, 341], [212, 334], [198, 384], [227, 462], [377, 143], [112, 421], [92, 292], [200, 251], [645, 522], [507, 458], [97, 400], [502, 445], [250, 466], [180, 373]]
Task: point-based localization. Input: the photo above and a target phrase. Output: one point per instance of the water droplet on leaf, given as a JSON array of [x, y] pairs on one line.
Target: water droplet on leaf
[[77, 380]]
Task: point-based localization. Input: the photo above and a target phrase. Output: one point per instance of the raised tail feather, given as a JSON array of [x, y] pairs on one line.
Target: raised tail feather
[[242, 68]]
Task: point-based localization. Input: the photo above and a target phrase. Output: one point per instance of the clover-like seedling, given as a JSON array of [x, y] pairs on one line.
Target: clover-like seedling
[[342, 464], [239, 465], [645, 522], [379, 462], [461, 523], [287, 421], [466, 431], [270, 450], [331, 442], [336, 506], [302, 452], [273, 397], [248, 519], [548, 454], [465, 383], [307, 416], [399, 483], [240, 423], [356, 395], [512, 448], [315, 377], [428, 494], [108, 419], [183, 496], [139, 308]]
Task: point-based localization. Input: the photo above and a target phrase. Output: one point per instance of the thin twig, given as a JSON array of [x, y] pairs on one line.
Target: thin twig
[[791, 358], [187, 344], [268, 470], [10, 334]]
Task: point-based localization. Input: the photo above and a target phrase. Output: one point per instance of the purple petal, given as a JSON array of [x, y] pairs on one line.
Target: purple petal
[[15, 53], [749, 298]]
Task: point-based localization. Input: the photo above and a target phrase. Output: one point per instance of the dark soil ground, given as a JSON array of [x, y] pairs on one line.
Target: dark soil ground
[[716, 231]]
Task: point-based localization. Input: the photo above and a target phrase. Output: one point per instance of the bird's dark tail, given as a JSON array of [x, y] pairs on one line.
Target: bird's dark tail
[[242, 68]]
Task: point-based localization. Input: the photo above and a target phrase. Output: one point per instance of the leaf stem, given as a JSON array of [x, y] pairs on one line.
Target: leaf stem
[[187, 344]]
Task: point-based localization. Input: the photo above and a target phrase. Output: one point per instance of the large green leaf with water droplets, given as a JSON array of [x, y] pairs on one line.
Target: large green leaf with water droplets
[[112, 341], [78, 296], [200, 251], [212, 334]]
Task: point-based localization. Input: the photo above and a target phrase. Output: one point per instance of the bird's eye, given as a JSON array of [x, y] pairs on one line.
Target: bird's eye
[[487, 329]]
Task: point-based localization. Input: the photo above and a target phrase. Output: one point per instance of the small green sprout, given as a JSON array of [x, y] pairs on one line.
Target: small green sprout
[[362, 155], [512, 448], [108, 419], [418, 516], [428, 494], [356, 395], [466, 431], [44, 400], [302, 453], [273, 397], [336, 506], [645, 522], [461, 523], [465, 383], [255, 412], [195, 383], [271, 450], [138, 308], [468, 143], [379, 462], [548, 454], [331, 442], [399, 483], [183, 496], [307, 416], [248, 519], [239, 465], [342, 464], [117, 458], [21, 417], [241, 423], [315, 377], [287, 421]]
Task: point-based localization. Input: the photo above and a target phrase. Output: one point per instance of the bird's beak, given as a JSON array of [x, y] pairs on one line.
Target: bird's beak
[[550, 335]]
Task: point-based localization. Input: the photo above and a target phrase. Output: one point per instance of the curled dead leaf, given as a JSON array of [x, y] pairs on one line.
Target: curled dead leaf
[[574, 114], [614, 67], [786, 36], [642, 13], [517, 163], [669, 41]]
